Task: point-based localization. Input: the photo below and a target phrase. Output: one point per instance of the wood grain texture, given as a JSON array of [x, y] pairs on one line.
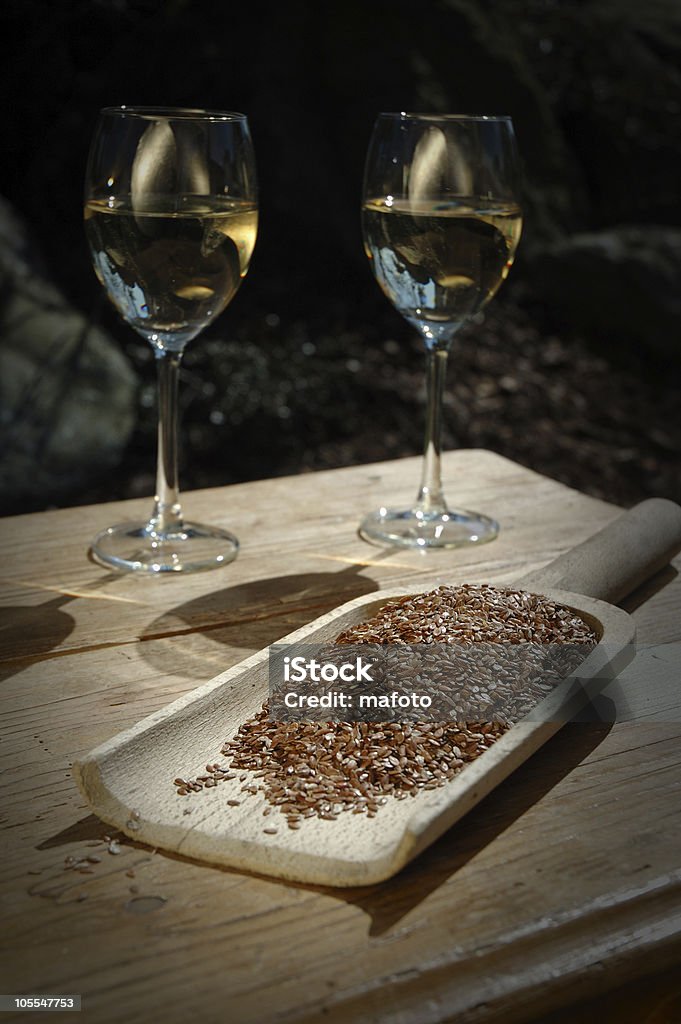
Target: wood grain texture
[[564, 880]]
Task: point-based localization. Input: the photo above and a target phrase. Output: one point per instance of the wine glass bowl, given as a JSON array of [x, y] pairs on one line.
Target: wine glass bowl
[[441, 222], [171, 220]]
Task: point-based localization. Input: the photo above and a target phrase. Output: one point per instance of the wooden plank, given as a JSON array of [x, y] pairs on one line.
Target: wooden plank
[[300, 551], [525, 878], [562, 881]]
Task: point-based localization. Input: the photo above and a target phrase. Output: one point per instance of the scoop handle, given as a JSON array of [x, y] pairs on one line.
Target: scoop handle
[[617, 559]]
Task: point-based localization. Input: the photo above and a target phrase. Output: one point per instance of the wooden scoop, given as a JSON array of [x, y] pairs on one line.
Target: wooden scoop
[[128, 781]]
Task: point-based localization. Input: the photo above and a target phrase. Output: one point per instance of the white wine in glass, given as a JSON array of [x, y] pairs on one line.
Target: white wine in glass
[[171, 218], [441, 221]]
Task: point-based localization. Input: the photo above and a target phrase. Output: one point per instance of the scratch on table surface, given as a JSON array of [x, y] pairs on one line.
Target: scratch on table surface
[[32, 585], [364, 562]]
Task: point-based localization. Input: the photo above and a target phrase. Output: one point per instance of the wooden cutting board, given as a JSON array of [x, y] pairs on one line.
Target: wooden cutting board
[[128, 781]]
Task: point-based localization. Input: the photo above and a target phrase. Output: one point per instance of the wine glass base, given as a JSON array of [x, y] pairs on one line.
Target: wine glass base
[[411, 528], [138, 547]]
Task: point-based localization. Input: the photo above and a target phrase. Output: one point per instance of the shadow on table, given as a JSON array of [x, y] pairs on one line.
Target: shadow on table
[[389, 901], [250, 615], [261, 611], [82, 831], [38, 628], [386, 903]]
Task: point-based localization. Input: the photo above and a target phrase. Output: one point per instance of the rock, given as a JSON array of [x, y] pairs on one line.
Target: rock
[[619, 284], [610, 71], [67, 393]]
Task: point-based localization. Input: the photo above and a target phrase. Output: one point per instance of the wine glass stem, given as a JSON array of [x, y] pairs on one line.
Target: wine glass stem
[[430, 497], [167, 511]]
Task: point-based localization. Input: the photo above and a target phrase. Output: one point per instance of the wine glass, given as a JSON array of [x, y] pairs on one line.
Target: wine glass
[[171, 219], [441, 222]]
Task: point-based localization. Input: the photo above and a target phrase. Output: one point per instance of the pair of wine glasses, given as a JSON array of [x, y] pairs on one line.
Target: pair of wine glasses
[[171, 218]]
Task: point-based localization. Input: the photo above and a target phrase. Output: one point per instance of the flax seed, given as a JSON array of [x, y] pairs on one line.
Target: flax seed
[[323, 769]]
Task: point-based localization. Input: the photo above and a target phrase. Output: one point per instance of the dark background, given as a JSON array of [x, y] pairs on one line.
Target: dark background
[[574, 370]]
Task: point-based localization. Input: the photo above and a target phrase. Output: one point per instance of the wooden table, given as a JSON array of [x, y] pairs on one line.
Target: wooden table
[[566, 880]]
